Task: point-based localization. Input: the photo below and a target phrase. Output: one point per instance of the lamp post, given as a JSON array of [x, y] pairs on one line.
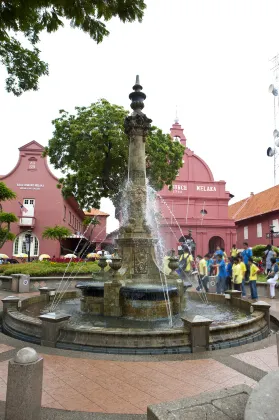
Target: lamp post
[[28, 242], [271, 233]]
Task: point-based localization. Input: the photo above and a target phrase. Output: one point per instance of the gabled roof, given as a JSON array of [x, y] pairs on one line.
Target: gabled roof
[[255, 205], [32, 146], [95, 212]]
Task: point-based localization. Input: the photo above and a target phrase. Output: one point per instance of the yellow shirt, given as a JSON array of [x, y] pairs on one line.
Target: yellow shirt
[[253, 272], [237, 274], [234, 252], [203, 267], [243, 268], [225, 256], [189, 260]]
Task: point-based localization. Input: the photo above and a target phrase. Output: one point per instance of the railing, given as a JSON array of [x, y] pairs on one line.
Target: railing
[[27, 221]]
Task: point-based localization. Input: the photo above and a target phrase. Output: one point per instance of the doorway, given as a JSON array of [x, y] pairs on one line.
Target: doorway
[[214, 242]]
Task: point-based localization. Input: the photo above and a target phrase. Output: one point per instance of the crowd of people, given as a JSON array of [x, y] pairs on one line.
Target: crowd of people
[[232, 272]]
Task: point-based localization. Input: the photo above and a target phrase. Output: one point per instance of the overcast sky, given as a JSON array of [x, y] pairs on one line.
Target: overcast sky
[[208, 57]]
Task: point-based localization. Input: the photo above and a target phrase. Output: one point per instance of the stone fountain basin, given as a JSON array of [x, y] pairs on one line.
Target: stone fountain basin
[[131, 340]]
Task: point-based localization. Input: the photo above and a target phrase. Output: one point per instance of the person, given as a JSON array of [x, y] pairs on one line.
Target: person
[[243, 269], [210, 263], [225, 257], [234, 251], [273, 277], [246, 254], [237, 275], [229, 274], [218, 252], [185, 263], [221, 279], [253, 278], [268, 254], [203, 274]]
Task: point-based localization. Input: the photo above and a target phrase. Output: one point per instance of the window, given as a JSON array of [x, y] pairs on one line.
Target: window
[[65, 212], [275, 224], [32, 164], [70, 218], [20, 245], [245, 232], [259, 230]]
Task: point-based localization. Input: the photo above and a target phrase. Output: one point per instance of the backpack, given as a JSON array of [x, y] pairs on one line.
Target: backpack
[[183, 263]]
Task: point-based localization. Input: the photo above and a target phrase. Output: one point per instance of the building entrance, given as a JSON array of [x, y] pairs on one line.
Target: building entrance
[[214, 242]]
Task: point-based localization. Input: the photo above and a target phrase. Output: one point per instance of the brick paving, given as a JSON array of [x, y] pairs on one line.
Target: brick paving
[[126, 387]]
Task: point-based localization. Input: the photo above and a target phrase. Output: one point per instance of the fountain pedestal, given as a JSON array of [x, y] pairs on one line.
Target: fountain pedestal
[[137, 288]]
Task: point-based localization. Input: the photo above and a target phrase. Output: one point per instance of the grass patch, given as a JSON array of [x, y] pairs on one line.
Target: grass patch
[[47, 268]]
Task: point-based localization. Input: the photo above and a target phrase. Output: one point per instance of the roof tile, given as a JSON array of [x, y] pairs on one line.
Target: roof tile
[[95, 212], [255, 205]]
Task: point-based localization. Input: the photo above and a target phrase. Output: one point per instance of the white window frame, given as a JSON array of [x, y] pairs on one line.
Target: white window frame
[[245, 233], [275, 224], [259, 230], [19, 245]]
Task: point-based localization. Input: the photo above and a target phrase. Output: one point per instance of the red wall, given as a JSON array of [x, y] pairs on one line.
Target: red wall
[[266, 220], [195, 190], [40, 184]]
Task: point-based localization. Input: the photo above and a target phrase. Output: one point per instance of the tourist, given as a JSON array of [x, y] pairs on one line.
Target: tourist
[[203, 274], [253, 278], [225, 257], [229, 274], [268, 255], [246, 254], [237, 275], [273, 277], [234, 251], [243, 269], [185, 263], [218, 252], [221, 278]]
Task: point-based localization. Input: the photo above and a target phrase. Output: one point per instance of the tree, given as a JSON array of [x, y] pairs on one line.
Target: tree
[[57, 233], [91, 150], [28, 18], [6, 218]]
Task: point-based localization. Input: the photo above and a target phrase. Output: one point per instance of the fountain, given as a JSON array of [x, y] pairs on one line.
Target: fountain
[[135, 286], [133, 307]]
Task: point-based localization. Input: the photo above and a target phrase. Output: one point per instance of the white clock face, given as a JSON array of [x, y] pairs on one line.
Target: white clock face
[[176, 138]]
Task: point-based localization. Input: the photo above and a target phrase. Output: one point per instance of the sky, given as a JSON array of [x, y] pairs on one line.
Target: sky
[[210, 58]]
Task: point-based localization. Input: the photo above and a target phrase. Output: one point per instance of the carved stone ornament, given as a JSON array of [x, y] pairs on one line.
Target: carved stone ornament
[[140, 261], [137, 124]]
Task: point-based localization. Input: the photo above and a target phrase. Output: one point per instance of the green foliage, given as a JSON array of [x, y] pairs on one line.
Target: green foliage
[[90, 221], [56, 233], [28, 18], [258, 250], [6, 193], [6, 218], [91, 148], [47, 268]]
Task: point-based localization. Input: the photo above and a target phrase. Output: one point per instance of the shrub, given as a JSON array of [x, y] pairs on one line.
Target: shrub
[[49, 268], [258, 250]]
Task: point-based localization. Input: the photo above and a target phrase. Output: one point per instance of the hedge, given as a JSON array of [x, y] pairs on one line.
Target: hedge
[[258, 250], [47, 268]]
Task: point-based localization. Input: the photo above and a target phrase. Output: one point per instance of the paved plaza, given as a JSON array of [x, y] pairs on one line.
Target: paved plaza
[[102, 383]]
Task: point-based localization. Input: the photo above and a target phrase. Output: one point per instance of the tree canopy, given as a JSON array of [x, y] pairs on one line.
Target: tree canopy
[[56, 233], [6, 218], [91, 149], [27, 19]]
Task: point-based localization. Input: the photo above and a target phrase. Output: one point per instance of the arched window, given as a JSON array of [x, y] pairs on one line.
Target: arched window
[[21, 245]]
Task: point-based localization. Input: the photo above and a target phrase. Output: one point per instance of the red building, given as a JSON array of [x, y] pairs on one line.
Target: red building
[[254, 215], [36, 189], [196, 203]]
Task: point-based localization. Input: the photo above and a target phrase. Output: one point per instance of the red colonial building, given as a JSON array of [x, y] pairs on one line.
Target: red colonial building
[[44, 205], [196, 203], [254, 215]]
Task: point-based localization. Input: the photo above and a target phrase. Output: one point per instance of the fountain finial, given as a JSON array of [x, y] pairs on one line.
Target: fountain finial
[[137, 97]]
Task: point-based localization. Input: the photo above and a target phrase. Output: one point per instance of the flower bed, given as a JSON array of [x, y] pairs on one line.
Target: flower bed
[[48, 268]]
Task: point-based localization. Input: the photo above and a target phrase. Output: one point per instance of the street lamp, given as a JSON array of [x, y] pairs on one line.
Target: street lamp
[[271, 233], [28, 235]]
